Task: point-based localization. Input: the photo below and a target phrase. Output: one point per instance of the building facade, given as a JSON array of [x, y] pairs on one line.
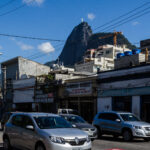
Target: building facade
[[15, 69], [81, 95], [100, 59]]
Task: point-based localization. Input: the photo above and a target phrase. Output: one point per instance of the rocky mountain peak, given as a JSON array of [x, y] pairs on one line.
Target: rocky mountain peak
[[76, 44]]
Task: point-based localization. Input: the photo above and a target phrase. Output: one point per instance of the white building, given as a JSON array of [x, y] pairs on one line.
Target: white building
[[101, 58]]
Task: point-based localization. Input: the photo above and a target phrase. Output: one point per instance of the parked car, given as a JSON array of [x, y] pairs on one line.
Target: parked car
[[67, 111], [79, 122], [5, 118], [121, 123], [43, 131]]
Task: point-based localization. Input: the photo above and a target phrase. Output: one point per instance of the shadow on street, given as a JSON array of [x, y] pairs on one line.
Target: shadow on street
[[120, 139]]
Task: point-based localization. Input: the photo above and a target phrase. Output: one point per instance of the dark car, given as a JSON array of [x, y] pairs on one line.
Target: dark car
[[5, 118], [79, 122]]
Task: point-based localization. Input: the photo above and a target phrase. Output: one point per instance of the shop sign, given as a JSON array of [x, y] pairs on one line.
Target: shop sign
[[79, 91], [44, 98]]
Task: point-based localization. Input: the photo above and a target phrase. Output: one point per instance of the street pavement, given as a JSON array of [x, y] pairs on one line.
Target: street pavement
[[108, 142]]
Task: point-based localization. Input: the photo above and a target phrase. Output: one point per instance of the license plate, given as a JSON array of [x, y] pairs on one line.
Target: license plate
[[77, 149]]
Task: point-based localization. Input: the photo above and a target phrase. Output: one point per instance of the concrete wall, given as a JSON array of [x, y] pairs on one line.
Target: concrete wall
[[125, 84], [31, 68], [23, 90], [136, 101], [129, 71], [128, 61], [104, 104], [85, 67]]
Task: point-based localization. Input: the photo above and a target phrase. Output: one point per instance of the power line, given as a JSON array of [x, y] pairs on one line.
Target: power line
[[31, 38], [128, 18], [114, 20], [6, 4]]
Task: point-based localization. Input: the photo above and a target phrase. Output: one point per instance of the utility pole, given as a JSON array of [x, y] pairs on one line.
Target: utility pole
[[4, 82]]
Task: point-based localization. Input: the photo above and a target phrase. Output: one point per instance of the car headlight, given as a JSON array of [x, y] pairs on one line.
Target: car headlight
[[137, 127], [57, 140], [88, 139]]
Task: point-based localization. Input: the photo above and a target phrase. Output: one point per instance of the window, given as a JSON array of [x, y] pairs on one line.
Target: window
[[104, 116], [64, 112], [27, 121], [108, 116], [47, 122], [76, 119], [18, 120], [73, 86], [113, 117], [107, 52], [85, 84], [129, 117]]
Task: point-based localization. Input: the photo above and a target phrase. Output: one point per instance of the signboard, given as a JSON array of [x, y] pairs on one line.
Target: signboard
[[79, 91], [44, 98]]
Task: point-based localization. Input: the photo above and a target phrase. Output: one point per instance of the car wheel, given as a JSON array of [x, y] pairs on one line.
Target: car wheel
[[127, 135], [6, 144], [115, 136], [2, 127], [99, 133], [40, 147]]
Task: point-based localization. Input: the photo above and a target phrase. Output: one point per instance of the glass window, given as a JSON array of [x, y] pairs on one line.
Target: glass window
[[76, 119], [108, 116], [64, 111], [46, 122], [85, 84], [104, 116], [129, 117], [113, 117], [18, 120], [73, 86], [27, 121]]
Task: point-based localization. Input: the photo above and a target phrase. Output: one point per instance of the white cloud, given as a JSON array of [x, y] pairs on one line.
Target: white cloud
[[22, 45], [46, 47], [91, 16], [135, 23], [37, 2]]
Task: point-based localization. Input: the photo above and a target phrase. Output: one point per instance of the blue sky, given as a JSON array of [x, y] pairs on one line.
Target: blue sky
[[55, 19]]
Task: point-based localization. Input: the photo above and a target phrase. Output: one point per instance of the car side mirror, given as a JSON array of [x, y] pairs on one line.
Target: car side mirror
[[74, 126], [118, 120], [29, 127]]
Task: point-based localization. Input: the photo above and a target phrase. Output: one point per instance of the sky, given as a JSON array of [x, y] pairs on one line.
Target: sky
[[55, 19]]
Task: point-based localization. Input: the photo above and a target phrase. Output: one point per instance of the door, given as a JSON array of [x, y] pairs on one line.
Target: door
[[29, 137], [108, 123], [113, 124], [16, 130]]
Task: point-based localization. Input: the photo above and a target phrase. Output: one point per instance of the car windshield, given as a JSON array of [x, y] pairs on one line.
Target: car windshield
[[76, 119], [129, 117], [48, 122], [73, 112]]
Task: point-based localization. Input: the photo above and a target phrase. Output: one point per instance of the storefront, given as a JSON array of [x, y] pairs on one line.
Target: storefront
[[82, 97]]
